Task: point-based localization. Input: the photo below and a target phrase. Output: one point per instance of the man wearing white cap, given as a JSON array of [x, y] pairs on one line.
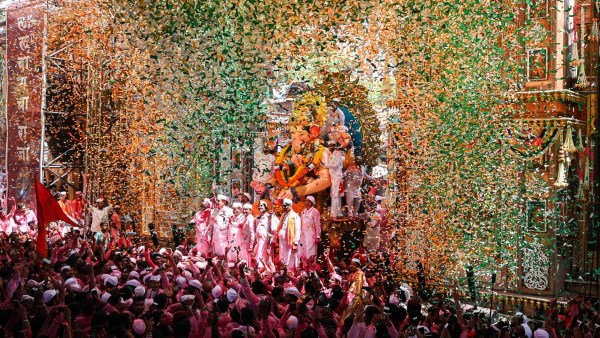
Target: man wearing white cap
[[220, 221], [289, 236], [336, 171], [248, 234], [311, 231], [234, 240], [245, 198], [100, 213], [203, 229], [266, 225], [64, 203]]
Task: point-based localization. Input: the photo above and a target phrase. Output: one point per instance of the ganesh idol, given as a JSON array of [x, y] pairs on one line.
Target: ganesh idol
[[301, 168]]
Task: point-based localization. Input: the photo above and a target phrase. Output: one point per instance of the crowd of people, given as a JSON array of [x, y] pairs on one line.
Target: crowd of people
[[241, 274]]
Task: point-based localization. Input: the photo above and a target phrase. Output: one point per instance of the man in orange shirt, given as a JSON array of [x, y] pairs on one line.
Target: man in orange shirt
[[65, 204], [115, 228], [77, 207]]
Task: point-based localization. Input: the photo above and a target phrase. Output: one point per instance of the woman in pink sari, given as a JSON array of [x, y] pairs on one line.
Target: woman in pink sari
[[203, 229]]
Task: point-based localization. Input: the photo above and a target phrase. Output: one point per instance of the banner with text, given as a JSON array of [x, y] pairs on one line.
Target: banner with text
[[25, 25]]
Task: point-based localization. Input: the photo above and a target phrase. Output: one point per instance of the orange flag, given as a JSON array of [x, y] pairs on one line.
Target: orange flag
[[48, 210]]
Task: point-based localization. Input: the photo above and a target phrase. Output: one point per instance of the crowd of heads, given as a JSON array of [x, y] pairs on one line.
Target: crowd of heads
[[94, 284]]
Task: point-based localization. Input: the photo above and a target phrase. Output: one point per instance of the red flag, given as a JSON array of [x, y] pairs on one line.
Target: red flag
[[48, 210]]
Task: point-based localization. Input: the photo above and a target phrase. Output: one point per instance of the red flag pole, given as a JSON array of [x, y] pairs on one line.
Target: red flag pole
[[41, 245]]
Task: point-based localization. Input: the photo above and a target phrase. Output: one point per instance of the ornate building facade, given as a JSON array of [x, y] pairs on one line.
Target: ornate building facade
[[554, 134]]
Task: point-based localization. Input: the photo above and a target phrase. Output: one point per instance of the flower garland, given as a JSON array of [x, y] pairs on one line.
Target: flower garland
[[302, 169]]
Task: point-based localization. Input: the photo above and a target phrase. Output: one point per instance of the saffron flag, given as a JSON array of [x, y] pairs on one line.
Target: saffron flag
[[48, 210]]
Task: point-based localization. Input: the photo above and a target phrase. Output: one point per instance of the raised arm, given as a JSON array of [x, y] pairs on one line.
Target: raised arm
[[171, 260], [13, 209], [246, 290], [330, 266], [148, 259]]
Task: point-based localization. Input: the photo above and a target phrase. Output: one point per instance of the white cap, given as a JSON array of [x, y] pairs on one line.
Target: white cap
[[311, 199], [133, 282], [187, 297], [181, 281], [70, 281], [139, 291], [145, 278], [291, 322], [139, 326], [223, 198], [287, 201], [293, 291], [248, 206], [63, 193], [336, 277], [148, 302], [187, 274], [112, 280], [378, 198], [236, 205], [49, 295], [32, 283], [231, 295], [155, 278], [217, 291], [105, 296], [134, 274], [541, 333], [356, 260], [162, 251], [75, 287], [195, 283], [26, 298], [54, 239]]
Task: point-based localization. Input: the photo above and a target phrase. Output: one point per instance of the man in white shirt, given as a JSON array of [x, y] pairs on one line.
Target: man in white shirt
[[221, 221], [336, 171], [310, 236], [289, 236], [100, 214]]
